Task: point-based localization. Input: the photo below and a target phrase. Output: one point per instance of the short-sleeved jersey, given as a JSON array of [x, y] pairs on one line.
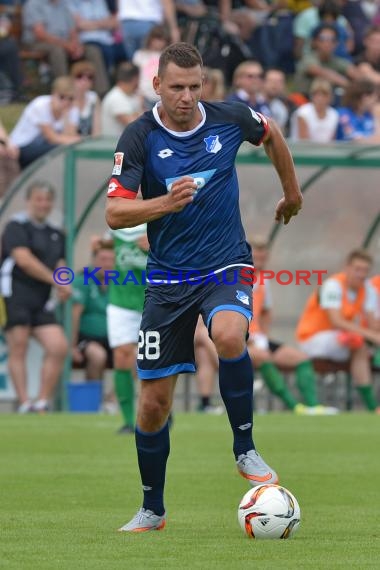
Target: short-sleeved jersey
[[130, 262], [207, 234], [44, 241]]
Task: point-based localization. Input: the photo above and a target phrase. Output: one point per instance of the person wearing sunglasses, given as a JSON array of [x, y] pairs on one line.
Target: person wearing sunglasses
[[47, 121], [86, 99]]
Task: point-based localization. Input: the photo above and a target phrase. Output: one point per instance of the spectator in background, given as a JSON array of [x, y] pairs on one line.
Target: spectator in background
[[122, 104], [47, 121], [96, 26], [317, 120], [357, 120], [10, 64], [368, 60], [329, 326], [9, 167], [138, 18], [49, 27], [270, 356], [89, 332], [146, 60], [325, 12], [31, 248], [274, 91], [86, 100], [214, 87], [191, 8], [247, 86], [321, 62]]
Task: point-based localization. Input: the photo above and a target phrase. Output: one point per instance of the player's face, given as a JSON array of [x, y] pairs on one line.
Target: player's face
[[105, 259], [357, 272], [180, 90], [40, 204]]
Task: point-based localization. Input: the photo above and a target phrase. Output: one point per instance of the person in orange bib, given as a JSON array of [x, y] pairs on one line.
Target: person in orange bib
[[269, 357], [340, 317]]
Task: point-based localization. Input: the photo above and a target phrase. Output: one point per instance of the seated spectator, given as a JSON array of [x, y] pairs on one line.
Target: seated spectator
[[321, 62], [48, 26], [31, 249], [214, 88], [360, 15], [357, 114], [10, 64], [368, 60], [146, 60], [330, 328], [122, 104], [96, 26], [207, 363], [86, 100], [47, 121], [327, 12], [274, 91], [9, 167], [247, 86], [89, 332], [270, 356], [191, 8], [138, 18], [316, 121]]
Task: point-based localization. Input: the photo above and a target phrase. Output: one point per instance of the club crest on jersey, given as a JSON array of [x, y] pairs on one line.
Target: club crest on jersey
[[118, 163], [242, 297], [213, 144]]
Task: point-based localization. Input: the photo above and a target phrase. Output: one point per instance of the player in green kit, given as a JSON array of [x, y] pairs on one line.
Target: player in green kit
[[126, 300]]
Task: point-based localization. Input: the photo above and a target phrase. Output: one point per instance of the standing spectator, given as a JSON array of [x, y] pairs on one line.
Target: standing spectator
[[248, 86], [329, 326], [96, 26], [90, 299], [146, 60], [122, 104], [321, 62], [9, 167], [49, 27], [31, 250], [316, 121], [47, 121], [357, 120], [86, 100], [138, 18], [124, 315]]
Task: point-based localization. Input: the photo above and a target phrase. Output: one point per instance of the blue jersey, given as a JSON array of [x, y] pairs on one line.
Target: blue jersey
[[207, 234], [352, 126]]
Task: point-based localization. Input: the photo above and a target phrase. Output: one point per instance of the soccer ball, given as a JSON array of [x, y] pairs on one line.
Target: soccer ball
[[269, 511]]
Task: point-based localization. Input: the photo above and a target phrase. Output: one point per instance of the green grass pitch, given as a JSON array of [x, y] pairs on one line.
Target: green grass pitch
[[68, 481]]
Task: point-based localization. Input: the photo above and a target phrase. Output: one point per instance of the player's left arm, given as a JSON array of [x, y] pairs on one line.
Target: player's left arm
[[278, 152]]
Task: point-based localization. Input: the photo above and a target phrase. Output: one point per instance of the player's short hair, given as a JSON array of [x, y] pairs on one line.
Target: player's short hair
[[181, 54], [361, 254], [41, 186]]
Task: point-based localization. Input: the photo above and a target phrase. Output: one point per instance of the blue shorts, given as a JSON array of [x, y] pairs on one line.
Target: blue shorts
[[166, 337]]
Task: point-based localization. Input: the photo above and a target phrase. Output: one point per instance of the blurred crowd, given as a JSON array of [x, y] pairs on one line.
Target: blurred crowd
[[312, 65]]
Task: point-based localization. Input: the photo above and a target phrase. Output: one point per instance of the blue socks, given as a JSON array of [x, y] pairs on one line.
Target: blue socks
[[236, 389], [153, 452]]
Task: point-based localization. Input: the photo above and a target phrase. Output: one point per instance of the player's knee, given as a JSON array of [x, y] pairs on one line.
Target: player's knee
[[96, 354], [229, 343]]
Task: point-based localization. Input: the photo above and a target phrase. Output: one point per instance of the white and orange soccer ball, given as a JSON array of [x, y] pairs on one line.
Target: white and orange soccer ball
[[269, 511]]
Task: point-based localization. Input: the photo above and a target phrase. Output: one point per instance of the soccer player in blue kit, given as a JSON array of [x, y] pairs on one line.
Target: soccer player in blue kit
[[182, 155]]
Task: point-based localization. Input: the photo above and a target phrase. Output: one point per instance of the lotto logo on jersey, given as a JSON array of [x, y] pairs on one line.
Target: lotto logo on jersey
[[200, 178], [118, 163]]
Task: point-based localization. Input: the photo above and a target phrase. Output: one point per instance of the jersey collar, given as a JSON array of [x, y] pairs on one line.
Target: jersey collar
[[179, 133]]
